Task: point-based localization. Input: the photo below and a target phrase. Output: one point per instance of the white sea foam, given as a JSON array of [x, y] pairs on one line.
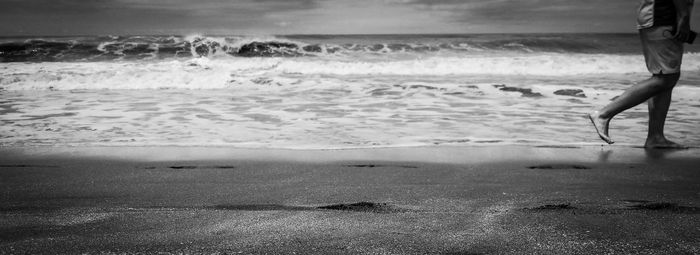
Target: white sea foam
[[218, 73], [319, 112]]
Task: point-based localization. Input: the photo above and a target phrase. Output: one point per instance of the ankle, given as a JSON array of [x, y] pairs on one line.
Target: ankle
[[656, 137], [600, 115]]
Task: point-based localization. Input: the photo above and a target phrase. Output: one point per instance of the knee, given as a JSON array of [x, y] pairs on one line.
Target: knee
[[666, 81]]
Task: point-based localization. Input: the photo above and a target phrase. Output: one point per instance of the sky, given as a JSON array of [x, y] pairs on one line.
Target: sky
[[265, 17]]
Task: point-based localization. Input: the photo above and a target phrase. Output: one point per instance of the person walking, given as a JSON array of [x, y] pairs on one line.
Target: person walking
[[664, 25]]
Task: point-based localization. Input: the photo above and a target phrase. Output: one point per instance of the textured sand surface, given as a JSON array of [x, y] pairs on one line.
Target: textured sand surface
[[475, 200]]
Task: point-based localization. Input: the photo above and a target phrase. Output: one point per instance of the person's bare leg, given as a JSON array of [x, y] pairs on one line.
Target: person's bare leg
[[658, 109], [630, 98]]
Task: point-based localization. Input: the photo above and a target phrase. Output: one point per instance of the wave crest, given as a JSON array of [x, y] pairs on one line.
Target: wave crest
[[205, 73], [107, 48]]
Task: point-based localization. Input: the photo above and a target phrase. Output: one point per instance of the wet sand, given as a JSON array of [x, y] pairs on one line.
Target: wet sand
[[454, 200]]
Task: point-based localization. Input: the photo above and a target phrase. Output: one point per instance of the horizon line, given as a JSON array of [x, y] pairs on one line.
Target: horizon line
[[310, 34]]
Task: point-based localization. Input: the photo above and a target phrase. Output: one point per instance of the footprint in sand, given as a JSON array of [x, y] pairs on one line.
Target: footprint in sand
[[551, 207], [27, 166], [558, 167], [643, 205], [375, 165], [352, 207], [364, 207], [193, 167], [260, 207]]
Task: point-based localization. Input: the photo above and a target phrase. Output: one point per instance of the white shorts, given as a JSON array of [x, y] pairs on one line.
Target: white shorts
[[662, 53]]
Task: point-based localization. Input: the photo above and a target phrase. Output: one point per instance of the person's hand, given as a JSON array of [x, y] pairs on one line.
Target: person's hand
[[682, 30]]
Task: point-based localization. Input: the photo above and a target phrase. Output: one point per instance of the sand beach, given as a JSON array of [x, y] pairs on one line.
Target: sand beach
[[419, 200]]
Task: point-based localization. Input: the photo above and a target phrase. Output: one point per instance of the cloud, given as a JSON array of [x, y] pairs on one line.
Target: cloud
[[535, 14], [219, 6], [251, 5], [143, 16], [65, 17]]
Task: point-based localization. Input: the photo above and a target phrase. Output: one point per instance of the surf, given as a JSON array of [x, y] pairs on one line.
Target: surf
[[134, 48]]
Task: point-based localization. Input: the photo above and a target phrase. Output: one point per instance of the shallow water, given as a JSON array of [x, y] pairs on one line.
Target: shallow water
[[329, 91], [359, 112]]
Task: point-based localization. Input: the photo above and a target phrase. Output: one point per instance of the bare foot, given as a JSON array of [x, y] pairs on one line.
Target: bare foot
[[601, 126], [663, 143]]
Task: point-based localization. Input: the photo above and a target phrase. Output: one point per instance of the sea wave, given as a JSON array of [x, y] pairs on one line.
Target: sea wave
[[206, 73], [111, 48]]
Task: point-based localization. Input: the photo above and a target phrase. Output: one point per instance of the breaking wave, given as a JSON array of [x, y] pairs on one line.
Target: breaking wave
[[206, 62], [205, 73], [108, 48]]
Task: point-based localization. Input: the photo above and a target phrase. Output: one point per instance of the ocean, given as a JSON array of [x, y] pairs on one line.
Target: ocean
[[328, 91]]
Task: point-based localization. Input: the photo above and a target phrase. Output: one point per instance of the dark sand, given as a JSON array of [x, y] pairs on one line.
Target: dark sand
[[474, 200]]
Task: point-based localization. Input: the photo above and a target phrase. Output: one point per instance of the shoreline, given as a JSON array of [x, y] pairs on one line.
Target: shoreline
[[458, 154]]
